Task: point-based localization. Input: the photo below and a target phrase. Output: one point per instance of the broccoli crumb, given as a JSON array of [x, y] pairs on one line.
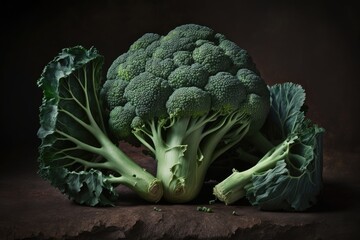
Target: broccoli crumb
[[157, 209], [204, 209], [212, 201]]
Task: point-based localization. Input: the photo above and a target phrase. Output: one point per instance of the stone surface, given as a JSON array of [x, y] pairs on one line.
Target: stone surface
[[31, 209]]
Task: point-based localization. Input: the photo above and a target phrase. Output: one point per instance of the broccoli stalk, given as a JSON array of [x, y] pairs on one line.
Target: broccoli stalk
[[188, 151], [76, 154]]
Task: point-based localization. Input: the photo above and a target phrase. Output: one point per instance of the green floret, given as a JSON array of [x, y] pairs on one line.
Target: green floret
[[183, 58], [143, 42], [133, 66], [114, 90], [192, 31], [227, 92], [113, 72], [200, 42], [186, 76], [169, 46], [120, 120], [253, 82], [148, 94], [212, 57], [188, 102], [257, 109], [160, 68], [137, 123], [239, 56]]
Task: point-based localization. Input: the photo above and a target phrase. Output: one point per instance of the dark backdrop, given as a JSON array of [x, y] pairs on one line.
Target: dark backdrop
[[314, 43]]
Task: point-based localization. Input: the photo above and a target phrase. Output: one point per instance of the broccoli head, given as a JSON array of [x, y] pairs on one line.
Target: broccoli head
[[188, 97]]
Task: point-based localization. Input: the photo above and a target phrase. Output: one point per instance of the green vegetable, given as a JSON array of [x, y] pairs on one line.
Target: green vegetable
[[157, 209], [289, 175], [188, 96], [204, 209], [76, 155]]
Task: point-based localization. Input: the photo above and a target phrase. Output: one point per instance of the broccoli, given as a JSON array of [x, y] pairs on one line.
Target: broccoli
[[289, 176], [188, 97], [76, 155]]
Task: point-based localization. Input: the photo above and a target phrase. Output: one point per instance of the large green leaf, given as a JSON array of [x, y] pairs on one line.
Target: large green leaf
[[84, 187], [286, 113], [295, 182], [70, 115]]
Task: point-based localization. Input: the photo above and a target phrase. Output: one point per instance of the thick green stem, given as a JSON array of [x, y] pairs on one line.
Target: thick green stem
[[132, 175], [179, 163], [232, 189]]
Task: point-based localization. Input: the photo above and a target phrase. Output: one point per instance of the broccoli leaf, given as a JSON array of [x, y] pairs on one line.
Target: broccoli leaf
[[295, 182], [70, 86], [286, 113], [84, 187]]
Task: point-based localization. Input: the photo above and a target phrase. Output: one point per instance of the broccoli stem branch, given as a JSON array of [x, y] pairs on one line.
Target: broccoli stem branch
[[232, 188], [132, 175]]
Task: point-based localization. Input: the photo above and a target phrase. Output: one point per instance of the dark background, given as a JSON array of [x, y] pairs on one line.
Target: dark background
[[313, 43]]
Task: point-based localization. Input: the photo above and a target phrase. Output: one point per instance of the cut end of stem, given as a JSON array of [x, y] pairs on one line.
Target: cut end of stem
[[228, 197], [232, 189], [219, 195], [155, 191]]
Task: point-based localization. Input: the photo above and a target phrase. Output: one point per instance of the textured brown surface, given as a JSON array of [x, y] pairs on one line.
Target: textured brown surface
[[31, 209]]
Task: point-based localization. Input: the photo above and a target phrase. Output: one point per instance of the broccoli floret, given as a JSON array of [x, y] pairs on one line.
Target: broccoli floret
[[133, 66], [190, 105], [188, 102], [253, 82], [170, 45], [113, 72], [189, 75], [227, 92], [113, 92], [159, 67], [148, 94], [145, 41], [212, 57], [192, 32], [240, 57], [120, 120], [183, 58]]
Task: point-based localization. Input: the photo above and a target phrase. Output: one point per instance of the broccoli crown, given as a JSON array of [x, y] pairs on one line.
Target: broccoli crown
[[188, 72]]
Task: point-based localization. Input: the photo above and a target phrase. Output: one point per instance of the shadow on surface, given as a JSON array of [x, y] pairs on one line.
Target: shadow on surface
[[336, 196]]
